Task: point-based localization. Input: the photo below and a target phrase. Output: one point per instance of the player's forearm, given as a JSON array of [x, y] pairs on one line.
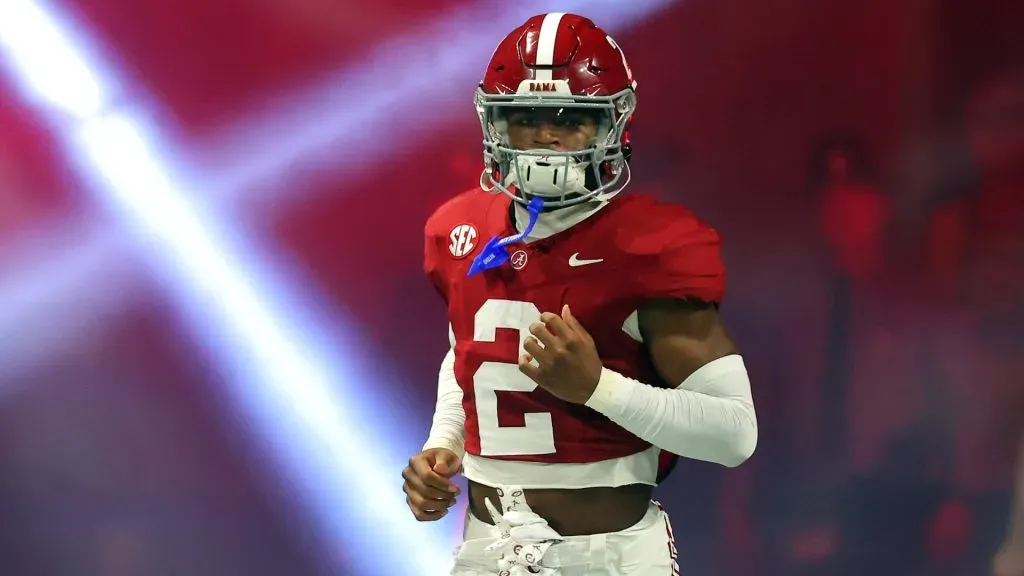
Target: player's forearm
[[448, 429], [714, 422]]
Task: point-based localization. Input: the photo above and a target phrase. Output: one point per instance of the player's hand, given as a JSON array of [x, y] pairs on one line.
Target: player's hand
[[1010, 560], [568, 365], [428, 489]]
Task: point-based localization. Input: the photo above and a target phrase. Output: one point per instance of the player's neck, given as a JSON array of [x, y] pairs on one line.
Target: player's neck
[[555, 221]]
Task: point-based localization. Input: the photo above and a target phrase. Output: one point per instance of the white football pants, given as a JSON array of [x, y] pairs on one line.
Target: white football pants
[[522, 544]]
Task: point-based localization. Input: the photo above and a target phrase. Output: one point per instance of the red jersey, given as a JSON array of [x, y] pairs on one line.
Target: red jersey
[[605, 267]]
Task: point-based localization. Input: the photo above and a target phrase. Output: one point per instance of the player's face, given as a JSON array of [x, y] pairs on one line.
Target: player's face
[[556, 129]]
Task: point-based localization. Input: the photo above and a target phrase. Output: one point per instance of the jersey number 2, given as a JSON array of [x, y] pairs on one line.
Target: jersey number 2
[[537, 436]]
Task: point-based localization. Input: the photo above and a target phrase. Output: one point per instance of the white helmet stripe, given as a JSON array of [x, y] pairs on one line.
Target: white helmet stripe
[[546, 45]]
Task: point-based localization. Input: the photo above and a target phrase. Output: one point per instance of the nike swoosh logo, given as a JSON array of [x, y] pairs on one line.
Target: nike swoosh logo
[[575, 261]]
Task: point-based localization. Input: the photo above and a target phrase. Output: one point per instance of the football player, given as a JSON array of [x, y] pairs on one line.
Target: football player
[[585, 335]]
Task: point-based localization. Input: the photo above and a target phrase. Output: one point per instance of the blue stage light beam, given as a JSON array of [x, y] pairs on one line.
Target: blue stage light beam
[[294, 392]]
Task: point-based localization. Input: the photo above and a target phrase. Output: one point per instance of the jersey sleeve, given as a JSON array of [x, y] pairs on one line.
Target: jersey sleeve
[[432, 263], [437, 257], [685, 262]]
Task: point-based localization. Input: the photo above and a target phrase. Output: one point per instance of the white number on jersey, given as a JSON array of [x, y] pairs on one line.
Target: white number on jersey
[[538, 435]]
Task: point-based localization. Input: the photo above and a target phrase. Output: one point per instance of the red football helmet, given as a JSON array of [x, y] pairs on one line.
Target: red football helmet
[[560, 61]]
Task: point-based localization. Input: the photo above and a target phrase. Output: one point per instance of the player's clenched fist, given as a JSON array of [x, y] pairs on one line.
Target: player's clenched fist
[[561, 357], [429, 491]]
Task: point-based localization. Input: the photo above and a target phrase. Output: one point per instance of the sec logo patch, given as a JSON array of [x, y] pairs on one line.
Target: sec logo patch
[[463, 240]]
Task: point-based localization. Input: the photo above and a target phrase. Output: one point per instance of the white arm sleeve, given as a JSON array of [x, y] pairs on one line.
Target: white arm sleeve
[[449, 427], [709, 417]]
